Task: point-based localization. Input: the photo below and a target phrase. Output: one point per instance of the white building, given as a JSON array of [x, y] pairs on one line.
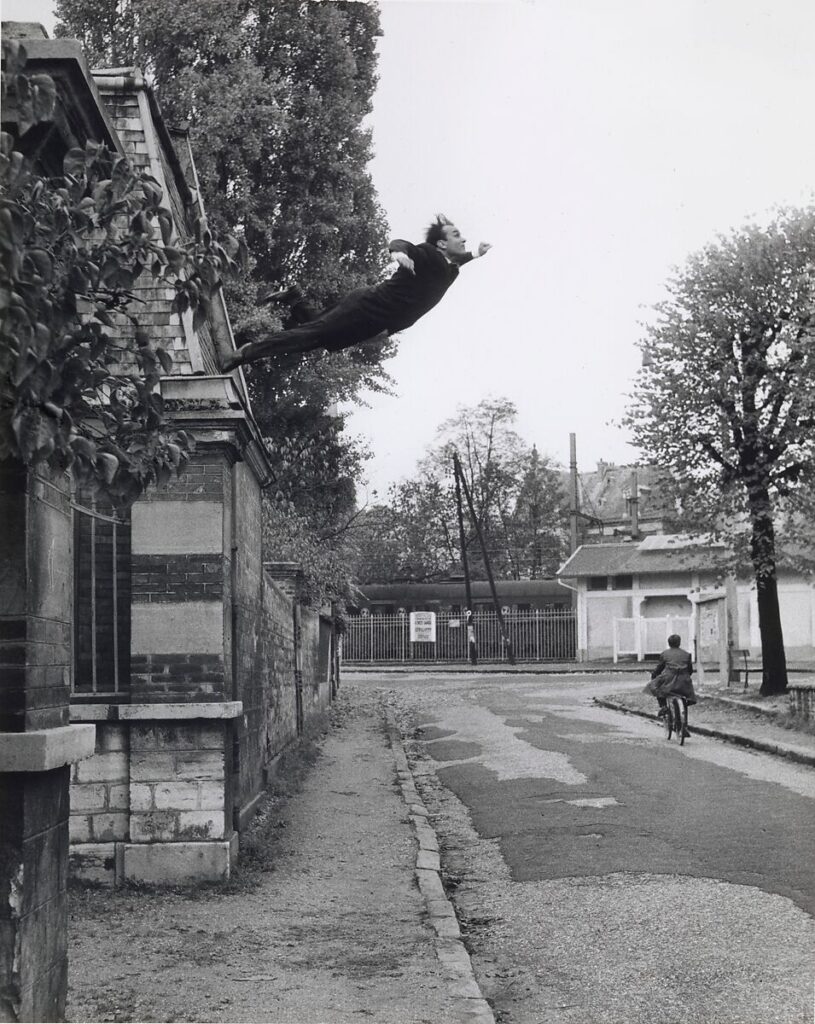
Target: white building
[[631, 595]]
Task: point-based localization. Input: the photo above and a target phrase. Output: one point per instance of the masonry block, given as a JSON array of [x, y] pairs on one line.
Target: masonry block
[[88, 796], [94, 862], [200, 825], [172, 863], [110, 767], [111, 737], [154, 826], [201, 764], [110, 827], [177, 527], [179, 796], [118, 797], [79, 827], [141, 797], [151, 766], [211, 796]]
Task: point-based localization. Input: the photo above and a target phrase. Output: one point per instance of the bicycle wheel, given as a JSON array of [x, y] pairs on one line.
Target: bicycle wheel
[[681, 724], [668, 721]]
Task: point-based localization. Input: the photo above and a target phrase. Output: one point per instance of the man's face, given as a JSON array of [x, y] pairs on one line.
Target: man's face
[[454, 244]]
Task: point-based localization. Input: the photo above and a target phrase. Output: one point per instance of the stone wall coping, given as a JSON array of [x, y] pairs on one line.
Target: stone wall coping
[[156, 712], [42, 750]]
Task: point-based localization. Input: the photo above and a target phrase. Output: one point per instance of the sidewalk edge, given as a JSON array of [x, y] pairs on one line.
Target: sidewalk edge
[[779, 750], [450, 950]]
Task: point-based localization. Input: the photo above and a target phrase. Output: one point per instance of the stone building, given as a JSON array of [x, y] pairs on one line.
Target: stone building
[[158, 663]]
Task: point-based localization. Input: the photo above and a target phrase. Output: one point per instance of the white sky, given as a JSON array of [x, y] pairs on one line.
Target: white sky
[[595, 143]]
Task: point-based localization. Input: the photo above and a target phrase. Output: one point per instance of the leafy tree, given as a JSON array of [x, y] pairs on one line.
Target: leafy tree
[[275, 94], [413, 536], [77, 376], [726, 399], [314, 507], [516, 496], [536, 531]]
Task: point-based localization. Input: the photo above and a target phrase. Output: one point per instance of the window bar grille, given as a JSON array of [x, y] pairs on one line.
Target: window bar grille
[[115, 561], [94, 517], [93, 604]]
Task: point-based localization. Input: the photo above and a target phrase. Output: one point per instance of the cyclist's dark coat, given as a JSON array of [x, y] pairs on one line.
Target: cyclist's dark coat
[[672, 674]]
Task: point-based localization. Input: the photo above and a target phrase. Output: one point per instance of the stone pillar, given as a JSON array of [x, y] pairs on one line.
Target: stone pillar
[[185, 719], [37, 743]]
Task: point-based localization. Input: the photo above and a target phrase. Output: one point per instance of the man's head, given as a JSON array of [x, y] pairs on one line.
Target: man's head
[[674, 640], [446, 237]]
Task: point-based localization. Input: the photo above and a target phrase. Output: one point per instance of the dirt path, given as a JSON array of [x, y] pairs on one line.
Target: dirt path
[[332, 929]]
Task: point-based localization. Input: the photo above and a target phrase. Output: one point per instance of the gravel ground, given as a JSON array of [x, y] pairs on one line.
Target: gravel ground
[[603, 949], [325, 922]]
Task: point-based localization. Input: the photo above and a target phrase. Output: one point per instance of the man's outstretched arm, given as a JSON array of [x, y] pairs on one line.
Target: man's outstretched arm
[[404, 253], [468, 257]]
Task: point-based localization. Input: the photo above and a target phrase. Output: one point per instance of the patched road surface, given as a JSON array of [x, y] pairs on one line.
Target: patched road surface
[[603, 874]]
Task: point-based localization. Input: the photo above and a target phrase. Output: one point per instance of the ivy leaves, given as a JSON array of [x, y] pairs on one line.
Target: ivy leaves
[[79, 373]]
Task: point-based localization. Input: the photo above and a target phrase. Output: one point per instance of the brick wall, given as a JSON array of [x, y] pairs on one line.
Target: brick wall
[[126, 104], [184, 764], [177, 577], [181, 566]]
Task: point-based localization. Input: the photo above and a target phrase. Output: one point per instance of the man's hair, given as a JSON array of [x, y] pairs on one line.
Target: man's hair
[[435, 233], [674, 640]]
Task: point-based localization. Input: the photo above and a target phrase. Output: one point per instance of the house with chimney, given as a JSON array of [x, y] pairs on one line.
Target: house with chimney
[[636, 580]]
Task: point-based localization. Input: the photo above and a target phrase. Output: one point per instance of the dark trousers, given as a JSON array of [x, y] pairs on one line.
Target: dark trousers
[[334, 329]]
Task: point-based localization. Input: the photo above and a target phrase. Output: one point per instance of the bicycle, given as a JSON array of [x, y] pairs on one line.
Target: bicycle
[[675, 720]]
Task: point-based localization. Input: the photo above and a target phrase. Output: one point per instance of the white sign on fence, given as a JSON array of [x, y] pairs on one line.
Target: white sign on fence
[[423, 627]]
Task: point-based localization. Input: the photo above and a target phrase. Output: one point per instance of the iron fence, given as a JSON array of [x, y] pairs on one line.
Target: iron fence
[[536, 635]]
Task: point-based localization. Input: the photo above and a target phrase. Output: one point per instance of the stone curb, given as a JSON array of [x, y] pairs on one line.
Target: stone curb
[[778, 749], [450, 950]]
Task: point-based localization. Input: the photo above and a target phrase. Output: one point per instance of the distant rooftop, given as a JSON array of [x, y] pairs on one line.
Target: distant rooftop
[[666, 553]]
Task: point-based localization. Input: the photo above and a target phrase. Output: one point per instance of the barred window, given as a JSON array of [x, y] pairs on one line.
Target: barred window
[[101, 603]]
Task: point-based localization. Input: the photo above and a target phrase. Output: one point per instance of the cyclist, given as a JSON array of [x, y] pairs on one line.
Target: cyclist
[[672, 676]]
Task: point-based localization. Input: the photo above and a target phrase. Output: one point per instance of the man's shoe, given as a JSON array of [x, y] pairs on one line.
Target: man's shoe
[[231, 362], [288, 295], [686, 733], [662, 712]]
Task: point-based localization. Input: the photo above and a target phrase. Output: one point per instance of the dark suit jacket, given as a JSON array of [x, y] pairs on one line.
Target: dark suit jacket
[[404, 297]]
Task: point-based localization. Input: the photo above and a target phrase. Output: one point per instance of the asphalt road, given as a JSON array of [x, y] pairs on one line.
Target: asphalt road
[[604, 874]]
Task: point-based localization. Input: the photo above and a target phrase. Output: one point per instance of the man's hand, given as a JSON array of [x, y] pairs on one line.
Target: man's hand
[[405, 261], [483, 248]]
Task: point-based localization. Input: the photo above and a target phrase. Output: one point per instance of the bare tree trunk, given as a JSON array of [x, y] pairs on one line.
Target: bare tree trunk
[[773, 656], [762, 546]]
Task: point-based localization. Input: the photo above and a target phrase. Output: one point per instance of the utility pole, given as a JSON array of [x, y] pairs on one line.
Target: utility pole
[[574, 502], [472, 649], [499, 614]]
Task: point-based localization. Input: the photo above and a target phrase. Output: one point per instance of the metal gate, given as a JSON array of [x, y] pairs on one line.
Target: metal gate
[[643, 636], [538, 635]]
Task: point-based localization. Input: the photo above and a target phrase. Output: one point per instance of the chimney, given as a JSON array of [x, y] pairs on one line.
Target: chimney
[[635, 507], [574, 502]]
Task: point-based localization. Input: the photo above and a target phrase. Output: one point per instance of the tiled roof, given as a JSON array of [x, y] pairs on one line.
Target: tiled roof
[[642, 558]]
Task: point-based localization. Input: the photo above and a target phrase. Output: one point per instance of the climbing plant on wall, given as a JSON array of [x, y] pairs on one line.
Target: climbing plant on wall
[[78, 375]]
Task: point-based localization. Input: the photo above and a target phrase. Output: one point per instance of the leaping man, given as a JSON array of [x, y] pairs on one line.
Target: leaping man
[[424, 274]]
